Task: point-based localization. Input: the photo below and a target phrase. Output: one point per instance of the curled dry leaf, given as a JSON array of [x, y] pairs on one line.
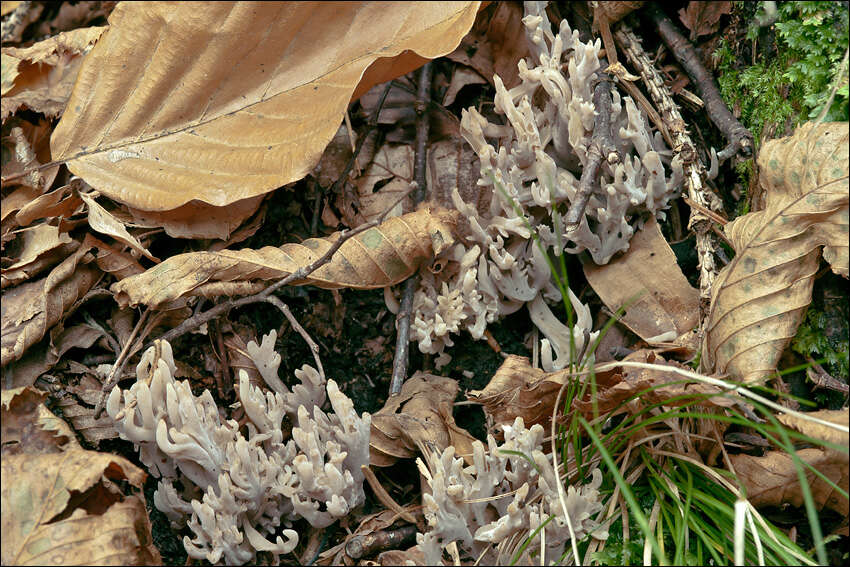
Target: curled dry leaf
[[63, 505], [761, 296], [772, 480], [381, 256], [661, 304], [62, 202], [702, 18], [421, 415], [31, 309], [32, 246], [28, 147], [176, 104], [101, 221], [40, 77]]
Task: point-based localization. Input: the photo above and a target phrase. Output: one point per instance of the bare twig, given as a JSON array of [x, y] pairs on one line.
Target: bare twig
[[683, 147], [822, 379], [402, 345], [314, 348], [601, 148], [382, 540], [118, 367], [740, 140], [383, 496]]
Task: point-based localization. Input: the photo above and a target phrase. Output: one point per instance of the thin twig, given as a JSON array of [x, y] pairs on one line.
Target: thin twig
[[381, 540], [683, 148], [383, 496], [402, 345], [314, 348], [601, 148], [740, 140], [118, 367]]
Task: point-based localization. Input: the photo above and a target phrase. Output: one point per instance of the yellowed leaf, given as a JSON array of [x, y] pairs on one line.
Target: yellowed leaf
[[383, 255], [760, 297], [63, 505], [41, 77], [817, 430], [232, 101], [661, 304]]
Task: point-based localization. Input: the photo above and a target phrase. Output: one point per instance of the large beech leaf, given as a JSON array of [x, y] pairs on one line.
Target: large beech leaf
[[222, 101], [761, 296], [378, 257]]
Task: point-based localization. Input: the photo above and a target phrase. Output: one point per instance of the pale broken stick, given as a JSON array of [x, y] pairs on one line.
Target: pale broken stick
[[402, 345], [601, 148]]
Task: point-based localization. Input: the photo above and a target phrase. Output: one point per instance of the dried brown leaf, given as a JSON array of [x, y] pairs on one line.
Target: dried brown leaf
[[663, 305], [702, 18], [495, 44], [378, 257], [63, 505], [42, 76], [461, 77], [28, 147], [31, 309], [36, 248], [519, 390], [421, 415], [175, 104], [73, 16], [760, 297], [199, 220], [393, 163], [63, 202], [772, 480], [112, 260]]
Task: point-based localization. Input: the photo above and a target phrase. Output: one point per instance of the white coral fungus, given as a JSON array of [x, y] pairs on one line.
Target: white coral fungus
[[533, 172], [238, 489]]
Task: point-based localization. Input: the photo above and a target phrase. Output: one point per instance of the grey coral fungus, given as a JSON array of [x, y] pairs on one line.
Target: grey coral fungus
[[531, 164], [491, 507], [238, 489]]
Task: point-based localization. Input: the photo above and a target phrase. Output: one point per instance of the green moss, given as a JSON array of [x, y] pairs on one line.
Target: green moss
[[798, 61], [817, 337]]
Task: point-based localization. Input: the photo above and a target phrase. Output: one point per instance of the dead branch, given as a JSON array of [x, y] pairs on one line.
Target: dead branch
[[683, 147], [314, 348], [740, 140], [402, 345], [601, 148]]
